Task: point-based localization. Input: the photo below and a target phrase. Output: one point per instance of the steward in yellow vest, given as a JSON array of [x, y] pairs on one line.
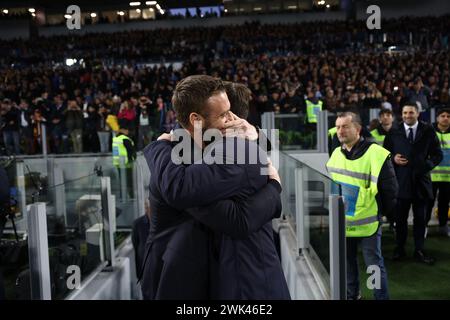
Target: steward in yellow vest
[[312, 110], [366, 175], [357, 167], [440, 175], [123, 149], [386, 119]]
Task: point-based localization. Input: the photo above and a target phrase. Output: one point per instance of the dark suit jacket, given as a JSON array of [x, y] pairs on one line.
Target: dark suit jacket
[[423, 155], [177, 263], [139, 235], [244, 261]]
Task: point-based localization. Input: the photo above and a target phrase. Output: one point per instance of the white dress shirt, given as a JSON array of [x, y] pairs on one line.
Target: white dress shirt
[[414, 129]]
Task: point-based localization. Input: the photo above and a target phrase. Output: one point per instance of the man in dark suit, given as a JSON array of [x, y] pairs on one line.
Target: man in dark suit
[[177, 263], [416, 151]]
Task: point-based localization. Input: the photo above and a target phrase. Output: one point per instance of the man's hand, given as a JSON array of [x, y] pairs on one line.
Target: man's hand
[[240, 128], [273, 172], [400, 160], [165, 136]]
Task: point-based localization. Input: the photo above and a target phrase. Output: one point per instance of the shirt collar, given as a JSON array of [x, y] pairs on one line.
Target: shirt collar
[[414, 127]]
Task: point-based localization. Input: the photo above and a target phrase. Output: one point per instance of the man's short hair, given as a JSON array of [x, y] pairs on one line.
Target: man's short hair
[[239, 96], [410, 103], [355, 116], [385, 111], [442, 110], [190, 96]]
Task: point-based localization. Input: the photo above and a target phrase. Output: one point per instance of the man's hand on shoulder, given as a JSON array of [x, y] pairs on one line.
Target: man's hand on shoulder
[[165, 136]]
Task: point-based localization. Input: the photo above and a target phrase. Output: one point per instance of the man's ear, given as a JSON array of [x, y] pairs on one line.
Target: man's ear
[[194, 117]]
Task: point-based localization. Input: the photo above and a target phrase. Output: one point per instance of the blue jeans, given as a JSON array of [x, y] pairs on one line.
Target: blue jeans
[[371, 249]]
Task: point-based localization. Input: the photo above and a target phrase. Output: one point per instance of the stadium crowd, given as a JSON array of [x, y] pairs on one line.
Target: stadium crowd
[[127, 78]]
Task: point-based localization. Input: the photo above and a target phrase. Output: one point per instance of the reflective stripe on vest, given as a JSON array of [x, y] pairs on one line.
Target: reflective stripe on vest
[[379, 138], [119, 150], [353, 174], [441, 173], [358, 179], [312, 110]]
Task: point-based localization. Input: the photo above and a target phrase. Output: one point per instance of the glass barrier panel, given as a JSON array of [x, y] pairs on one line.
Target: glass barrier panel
[[124, 191], [75, 230], [36, 178], [288, 166], [14, 261], [295, 132]]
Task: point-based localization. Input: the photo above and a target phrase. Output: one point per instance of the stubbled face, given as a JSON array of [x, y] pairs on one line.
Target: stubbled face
[[347, 130], [444, 119], [410, 115]]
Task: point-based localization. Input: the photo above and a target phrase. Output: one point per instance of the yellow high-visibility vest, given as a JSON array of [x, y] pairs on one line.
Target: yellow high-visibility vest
[[119, 150], [312, 110], [379, 138], [358, 180], [441, 173]]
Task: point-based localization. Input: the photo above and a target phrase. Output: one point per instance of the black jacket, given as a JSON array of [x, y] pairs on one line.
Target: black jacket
[[387, 182], [179, 262], [244, 261], [423, 155], [139, 234]]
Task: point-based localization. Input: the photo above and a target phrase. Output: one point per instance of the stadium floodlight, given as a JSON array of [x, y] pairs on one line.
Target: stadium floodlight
[[135, 4], [93, 15], [70, 62], [32, 10], [151, 3], [5, 11]]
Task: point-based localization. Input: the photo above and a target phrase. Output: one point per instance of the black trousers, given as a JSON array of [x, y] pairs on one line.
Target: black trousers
[[443, 201], [420, 207]]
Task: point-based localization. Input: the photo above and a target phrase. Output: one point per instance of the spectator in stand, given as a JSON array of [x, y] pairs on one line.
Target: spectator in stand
[[127, 116], [74, 123], [10, 127], [26, 126], [91, 126]]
